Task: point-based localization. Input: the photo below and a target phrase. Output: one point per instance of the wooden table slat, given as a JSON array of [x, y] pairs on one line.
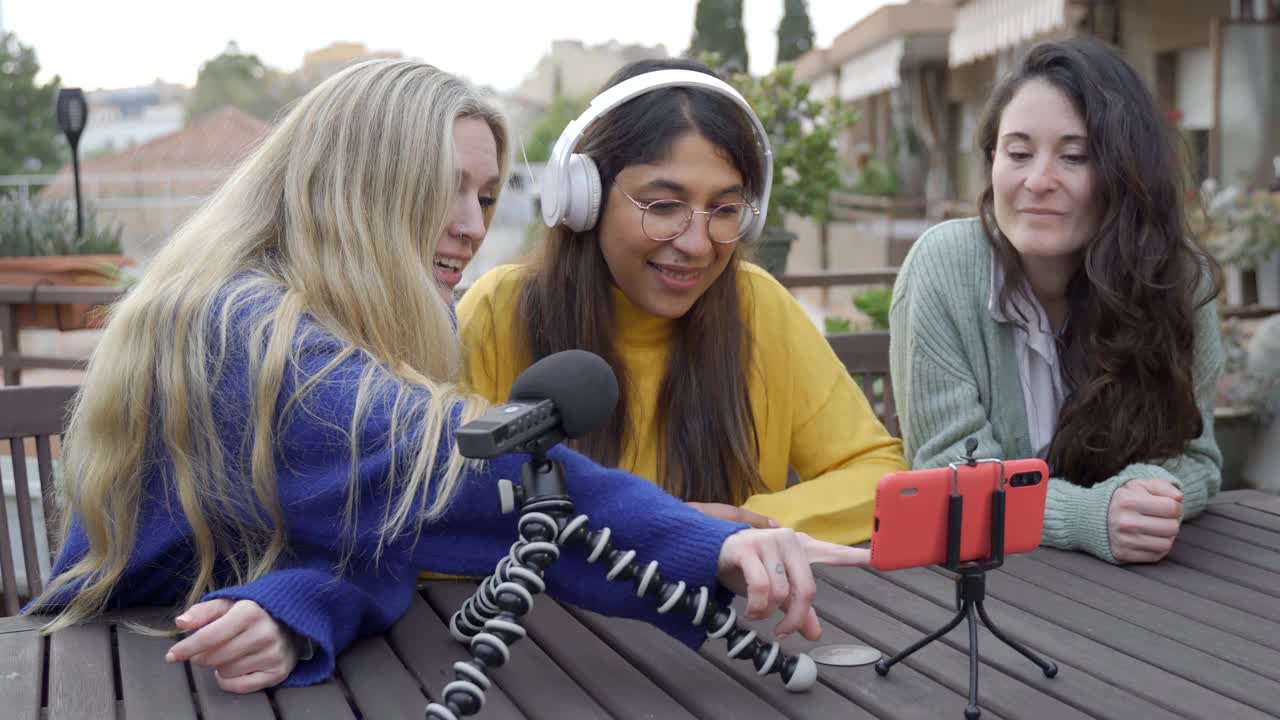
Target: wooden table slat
[[1073, 687], [1211, 588], [1225, 567], [22, 623], [218, 704], [1248, 515], [1235, 548], [81, 678], [1068, 646], [1154, 593], [1262, 538], [1269, 504], [823, 700], [1246, 654], [325, 701], [1235, 497], [379, 682], [422, 641], [21, 674], [152, 688], [535, 683], [687, 676], [598, 668], [939, 662], [1185, 661]]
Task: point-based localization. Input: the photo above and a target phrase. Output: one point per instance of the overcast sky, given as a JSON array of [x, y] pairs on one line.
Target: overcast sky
[[121, 43]]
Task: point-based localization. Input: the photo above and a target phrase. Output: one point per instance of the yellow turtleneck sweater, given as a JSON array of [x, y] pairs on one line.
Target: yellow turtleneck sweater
[[809, 414]]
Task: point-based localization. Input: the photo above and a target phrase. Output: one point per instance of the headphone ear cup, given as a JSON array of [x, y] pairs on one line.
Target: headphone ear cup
[[582, 198]]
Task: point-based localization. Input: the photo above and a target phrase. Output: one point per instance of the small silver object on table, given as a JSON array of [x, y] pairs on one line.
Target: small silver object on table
[[845, 654]]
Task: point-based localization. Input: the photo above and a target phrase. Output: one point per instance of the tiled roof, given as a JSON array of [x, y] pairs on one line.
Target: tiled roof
[[214, 144]]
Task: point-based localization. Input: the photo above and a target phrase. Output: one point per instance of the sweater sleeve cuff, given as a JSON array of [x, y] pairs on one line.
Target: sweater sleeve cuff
[[1195, 495], [1075, 517], [322, 611], [314, 668]]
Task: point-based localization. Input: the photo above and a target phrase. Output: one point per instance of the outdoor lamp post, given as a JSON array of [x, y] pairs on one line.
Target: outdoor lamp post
[[73, 113]]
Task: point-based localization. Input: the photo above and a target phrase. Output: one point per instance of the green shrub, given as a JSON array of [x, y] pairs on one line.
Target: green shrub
[[876, 178], [43, 227], [874, 302], [834, 325]]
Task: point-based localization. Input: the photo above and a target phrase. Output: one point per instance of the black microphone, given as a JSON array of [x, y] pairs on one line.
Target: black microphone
[[565, 395]]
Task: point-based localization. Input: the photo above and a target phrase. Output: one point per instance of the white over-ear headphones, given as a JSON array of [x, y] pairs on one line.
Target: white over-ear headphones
[[571, 192]]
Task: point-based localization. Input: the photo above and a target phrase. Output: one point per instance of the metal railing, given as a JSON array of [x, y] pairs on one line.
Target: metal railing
[[16, 299], [829, 278], [12, 301]]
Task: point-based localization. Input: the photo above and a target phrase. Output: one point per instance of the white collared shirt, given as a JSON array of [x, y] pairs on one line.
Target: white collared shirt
[[1043, 390]]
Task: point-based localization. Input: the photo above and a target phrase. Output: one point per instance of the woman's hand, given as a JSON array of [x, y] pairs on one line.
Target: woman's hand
[[245, 646], [1143, 520], [771, 567], [732, 513]]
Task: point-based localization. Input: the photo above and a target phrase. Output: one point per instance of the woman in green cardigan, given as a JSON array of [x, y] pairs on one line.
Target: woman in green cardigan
[[1073, 320]]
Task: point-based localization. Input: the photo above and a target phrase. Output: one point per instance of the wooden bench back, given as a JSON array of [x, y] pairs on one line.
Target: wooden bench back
[[38, 414], [866, 357]]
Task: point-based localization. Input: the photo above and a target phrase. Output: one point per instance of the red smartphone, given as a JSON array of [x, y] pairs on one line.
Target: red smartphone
[[911, 515]]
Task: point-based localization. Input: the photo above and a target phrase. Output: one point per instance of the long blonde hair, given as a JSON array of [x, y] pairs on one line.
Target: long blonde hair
[[336, 215]]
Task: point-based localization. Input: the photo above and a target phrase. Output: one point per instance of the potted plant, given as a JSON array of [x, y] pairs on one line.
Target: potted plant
[[806, 169], [1262, 385], [1239, 228], [1248, 393], [39, 247]]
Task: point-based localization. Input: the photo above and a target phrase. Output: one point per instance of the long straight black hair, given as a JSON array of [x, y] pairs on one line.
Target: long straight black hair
[[710, 452]]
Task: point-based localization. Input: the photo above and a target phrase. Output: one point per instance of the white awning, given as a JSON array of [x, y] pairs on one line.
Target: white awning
[[823, 87], [872, 71], [985, 27], [1195, 88]]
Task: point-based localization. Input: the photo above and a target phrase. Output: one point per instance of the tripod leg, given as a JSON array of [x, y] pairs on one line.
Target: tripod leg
[[882, 665], [1049, 668], [972, 712]]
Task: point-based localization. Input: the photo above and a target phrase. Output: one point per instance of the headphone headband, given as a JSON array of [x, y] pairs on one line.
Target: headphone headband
[[572, 202]]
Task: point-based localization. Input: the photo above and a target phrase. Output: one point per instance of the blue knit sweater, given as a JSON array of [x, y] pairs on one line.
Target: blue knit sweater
[[313, 469]]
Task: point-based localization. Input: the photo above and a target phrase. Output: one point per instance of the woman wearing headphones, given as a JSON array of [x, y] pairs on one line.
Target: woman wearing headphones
[[654, 196]]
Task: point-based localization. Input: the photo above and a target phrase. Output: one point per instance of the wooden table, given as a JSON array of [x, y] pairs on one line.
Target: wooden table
[[1195, 636]]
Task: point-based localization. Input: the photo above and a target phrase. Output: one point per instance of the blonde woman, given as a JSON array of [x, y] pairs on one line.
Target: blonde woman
[[264, 436]]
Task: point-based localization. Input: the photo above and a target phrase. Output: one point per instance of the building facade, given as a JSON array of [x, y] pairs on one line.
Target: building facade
[[123, 118], [920, 73], [574, 69]]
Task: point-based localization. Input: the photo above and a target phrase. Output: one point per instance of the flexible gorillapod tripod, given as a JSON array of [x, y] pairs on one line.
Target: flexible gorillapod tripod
[[490, 619], [971, 583]]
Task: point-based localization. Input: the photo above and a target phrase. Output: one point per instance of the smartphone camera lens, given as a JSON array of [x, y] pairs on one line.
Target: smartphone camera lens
[[1023, 479]]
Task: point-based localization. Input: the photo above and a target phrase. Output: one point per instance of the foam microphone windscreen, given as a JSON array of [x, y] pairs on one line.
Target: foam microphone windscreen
[[580, 384]]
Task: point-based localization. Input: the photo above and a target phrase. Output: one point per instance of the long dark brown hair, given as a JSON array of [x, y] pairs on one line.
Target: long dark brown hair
[[709, 451], [1128, 345]]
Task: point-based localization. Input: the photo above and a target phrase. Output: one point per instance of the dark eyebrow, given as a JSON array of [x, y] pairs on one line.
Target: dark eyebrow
[[664, 184], [1025, 137]]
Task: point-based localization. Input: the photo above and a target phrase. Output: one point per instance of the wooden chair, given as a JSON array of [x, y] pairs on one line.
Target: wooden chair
[[866, 357], [37, 413]]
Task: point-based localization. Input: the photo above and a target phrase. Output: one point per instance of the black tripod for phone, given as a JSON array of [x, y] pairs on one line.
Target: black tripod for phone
[[971, 581]]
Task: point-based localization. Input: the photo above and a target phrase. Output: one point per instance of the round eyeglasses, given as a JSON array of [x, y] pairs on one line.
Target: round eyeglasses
[[666, 220]]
